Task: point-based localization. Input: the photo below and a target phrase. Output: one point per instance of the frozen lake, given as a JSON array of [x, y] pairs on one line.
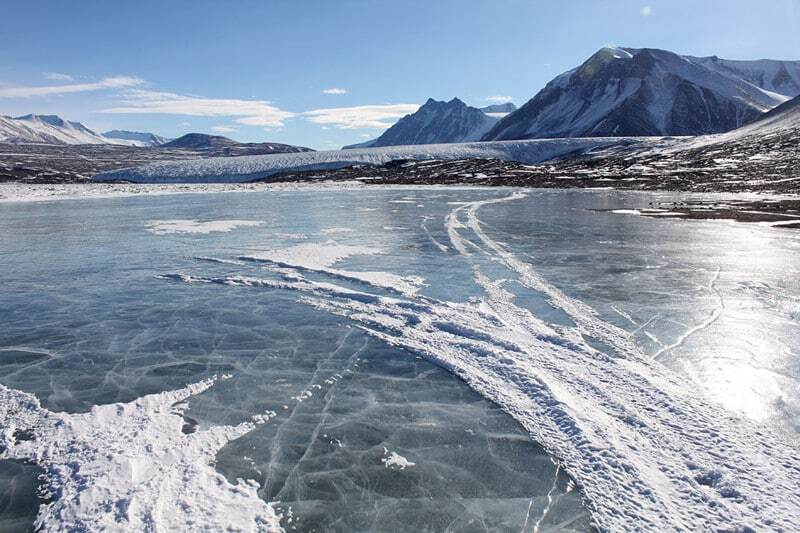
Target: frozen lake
[[422, 359]]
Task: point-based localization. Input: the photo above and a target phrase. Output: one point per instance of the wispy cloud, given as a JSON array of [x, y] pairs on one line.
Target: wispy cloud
[[646, 11], [365, 116], [224, 129], [116, 82], [498, 99], [57, 76], [251, 112], [335, 90]]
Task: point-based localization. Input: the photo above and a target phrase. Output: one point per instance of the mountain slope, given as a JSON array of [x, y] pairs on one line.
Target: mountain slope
[[135, 138], [436, 122], [224, 146], [780, 77], [200, 141], [47, 129], [634, 92], [783, 120]]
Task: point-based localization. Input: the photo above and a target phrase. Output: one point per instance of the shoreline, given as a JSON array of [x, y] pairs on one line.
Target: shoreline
[[780, 210]]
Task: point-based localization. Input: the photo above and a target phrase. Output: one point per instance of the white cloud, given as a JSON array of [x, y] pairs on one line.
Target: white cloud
[[646, 11], [224, 129], [365, 116], [498, 99], [252, 112], [335, 90], [57, 76], [116, 82]]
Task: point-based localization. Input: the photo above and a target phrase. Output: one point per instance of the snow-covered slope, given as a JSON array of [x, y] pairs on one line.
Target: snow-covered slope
[[249, 168], [772, 140], [48, 129], [784, 120], [780, 77], [135, 138], [365, 144], [436, 122], [628, 91]]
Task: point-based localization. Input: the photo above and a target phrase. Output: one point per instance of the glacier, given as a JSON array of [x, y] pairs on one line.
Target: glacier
[[251, 168]]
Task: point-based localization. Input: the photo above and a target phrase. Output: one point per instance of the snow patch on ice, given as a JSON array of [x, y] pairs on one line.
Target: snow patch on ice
[[332, 231], [321, 257], [394, 460], [129, 467], [164, 227], [314, 256]]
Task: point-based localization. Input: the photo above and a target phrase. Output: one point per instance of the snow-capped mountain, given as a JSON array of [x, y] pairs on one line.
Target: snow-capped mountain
[[436, 122], [47, 129], [628, 91], [135, 138], [499, 110]]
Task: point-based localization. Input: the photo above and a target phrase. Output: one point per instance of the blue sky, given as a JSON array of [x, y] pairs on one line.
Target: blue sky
[[328, 73]]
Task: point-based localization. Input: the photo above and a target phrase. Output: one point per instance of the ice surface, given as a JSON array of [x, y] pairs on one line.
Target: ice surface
[[517, 302], [15, 192], [107, 331], [19, 483], [639, 443]]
